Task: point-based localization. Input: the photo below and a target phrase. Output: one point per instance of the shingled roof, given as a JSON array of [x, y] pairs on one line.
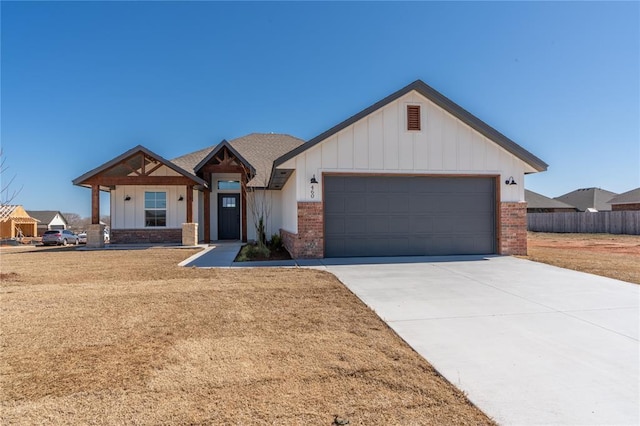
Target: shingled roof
[[45, 216], [588, 198], [539, 201], [259, 149], [629, 197]]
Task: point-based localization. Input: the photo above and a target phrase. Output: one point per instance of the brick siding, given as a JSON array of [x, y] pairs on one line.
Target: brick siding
[[308, 243], [142, 236], [625, 207], [513, 229]]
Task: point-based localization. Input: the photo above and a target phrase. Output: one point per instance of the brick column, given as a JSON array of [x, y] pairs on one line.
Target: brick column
[[308, 243], [513, 229]]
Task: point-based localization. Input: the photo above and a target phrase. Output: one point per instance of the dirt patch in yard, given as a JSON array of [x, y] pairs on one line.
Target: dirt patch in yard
[[613, 256], [128, 337]]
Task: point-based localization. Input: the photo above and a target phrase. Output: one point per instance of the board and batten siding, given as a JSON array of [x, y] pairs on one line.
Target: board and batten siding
[[274, 222], [130, 214], [289, 205], [380, 143]]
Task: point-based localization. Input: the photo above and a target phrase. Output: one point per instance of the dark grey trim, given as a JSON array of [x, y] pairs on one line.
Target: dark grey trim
[[444, 103], [78, 181], [217, 149]]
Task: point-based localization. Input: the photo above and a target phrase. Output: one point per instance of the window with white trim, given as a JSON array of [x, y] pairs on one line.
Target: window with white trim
[[155, 209]]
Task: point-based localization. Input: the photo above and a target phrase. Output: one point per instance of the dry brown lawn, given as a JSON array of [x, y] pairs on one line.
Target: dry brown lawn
[[614, 256], [128, 337]]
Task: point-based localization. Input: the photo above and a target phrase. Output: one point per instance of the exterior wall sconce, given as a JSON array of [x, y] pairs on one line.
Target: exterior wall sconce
[[180, 198], [127, 198], [313, 181], [510, 181]]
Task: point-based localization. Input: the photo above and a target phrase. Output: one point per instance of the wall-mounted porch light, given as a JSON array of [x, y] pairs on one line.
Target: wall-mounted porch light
[[127, 197], [510, 181], [180, 198], [313, 181]]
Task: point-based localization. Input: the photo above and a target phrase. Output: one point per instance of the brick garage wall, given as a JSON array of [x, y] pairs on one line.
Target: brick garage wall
[[308, 243], [142, 236], [625, 207], [513, 228]]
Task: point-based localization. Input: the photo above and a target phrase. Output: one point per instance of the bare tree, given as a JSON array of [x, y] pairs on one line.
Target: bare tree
[[76, 222], [6, 194], [260, 205]]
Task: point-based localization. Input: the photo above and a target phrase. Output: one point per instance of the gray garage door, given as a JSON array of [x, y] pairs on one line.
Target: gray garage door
[[408, 216]]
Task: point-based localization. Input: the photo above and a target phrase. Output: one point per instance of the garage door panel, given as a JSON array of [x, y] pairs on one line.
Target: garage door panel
[[398, 225], [377, 203], [355, 205], [421, 223], [377, 225], [356, 225], [357, 185], [397, 216], [334, 225], [334, 204], [398, 203]]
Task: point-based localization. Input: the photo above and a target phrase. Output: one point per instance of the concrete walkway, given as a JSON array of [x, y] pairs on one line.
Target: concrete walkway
[[529, 343]]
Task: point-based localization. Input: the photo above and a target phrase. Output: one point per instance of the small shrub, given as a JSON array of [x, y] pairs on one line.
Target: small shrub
[[276, 242], [253, 251]]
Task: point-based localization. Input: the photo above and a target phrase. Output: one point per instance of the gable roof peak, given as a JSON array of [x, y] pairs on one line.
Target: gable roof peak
[[441, 101]]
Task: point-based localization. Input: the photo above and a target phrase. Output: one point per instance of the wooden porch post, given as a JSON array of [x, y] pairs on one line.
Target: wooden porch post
[[207, 215], [95, 204], [243, 204], [189, 203]]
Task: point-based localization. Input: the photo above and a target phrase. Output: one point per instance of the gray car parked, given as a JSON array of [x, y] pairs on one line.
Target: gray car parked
[[59, 237]]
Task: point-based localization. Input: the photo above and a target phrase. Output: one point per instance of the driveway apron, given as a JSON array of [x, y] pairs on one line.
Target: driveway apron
[[529, 343]]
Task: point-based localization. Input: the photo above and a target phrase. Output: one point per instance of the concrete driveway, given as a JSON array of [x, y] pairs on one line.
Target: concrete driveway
[[529, 343]]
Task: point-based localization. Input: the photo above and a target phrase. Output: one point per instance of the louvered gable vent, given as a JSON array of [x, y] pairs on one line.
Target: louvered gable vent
[[413, 117]]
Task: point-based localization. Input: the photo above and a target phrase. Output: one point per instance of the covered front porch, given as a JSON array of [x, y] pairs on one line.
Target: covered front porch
[[152, 200]]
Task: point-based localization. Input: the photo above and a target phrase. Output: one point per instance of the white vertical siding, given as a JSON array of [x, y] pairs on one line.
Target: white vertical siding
[[380, 143], [130, 214], [290, 205], [273, 200]]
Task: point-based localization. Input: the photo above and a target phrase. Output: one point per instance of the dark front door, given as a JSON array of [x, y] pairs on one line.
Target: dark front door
[[228, 216]]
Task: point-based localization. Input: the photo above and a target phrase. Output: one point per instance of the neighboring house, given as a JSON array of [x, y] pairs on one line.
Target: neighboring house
[[538, 203], [49, 219], [588, 199], [413, 174], [629, 200], [16, 222]]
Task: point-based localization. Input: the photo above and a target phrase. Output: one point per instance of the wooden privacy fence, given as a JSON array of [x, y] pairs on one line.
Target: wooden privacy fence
[[622, 222]]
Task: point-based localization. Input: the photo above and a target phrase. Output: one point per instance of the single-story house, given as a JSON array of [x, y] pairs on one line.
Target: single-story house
[[538, 203], [16, 222], [629, 200], [49, 220], [412, 174], [588, 199]]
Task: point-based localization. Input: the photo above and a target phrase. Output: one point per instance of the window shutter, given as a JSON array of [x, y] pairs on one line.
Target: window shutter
[[413, 117]]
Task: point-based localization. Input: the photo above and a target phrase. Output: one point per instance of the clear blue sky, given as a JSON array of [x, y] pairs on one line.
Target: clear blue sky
[[82, 82]]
